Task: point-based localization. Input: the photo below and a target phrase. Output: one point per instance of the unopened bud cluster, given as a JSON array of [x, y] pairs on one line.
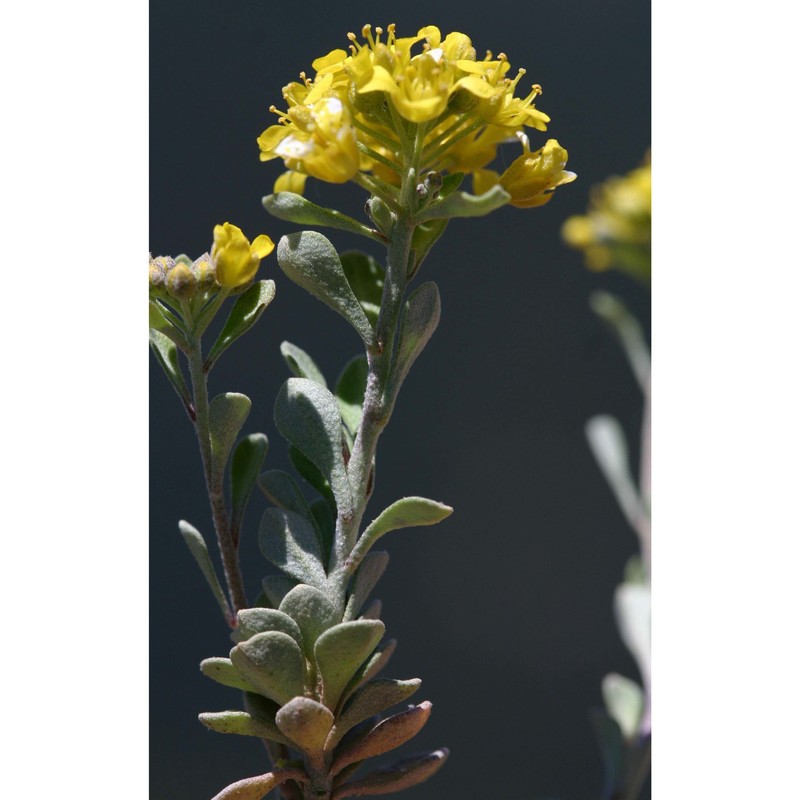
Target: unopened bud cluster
[[181, 278]]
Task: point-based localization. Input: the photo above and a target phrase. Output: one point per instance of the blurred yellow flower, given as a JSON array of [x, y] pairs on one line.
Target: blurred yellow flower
[[392, 105], [615, 231], [235, 259]]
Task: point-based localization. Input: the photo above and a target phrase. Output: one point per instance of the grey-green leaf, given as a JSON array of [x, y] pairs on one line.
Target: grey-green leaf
[[339, 653], [261, 620], [166, 353], [197, 547], [246, 311], [420, 318], [292, 207], [462, 204], [246, 462], [308, 416], [365, 276], [223, 671], [311, 261], [371, 667], [276, 587], [312, 476], [282, 490], [425, 237], [273, 663], [226, 415], [242, 723], [290, 542], [257, 787], [371, 699], [305, 722], [313, 612], [367, 575], [350, 388], [409, 512], [301, 364]]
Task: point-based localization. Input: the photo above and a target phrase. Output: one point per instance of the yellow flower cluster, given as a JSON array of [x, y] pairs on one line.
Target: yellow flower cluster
[[615, 232], [422, 102]]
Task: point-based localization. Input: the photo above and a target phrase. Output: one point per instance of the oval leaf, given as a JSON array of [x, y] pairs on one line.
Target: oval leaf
[[307, 415], [281, 489], [313, 613], [245, 313], [367, 575], [350, 388], [305, 722], [292, 207], [365, 276], [261, 620], [420, 317], [301, 364], [273, 663], [199, 550], [371, 667], [290, 542], [409, 512], [339, 653], [311, 261], [242, 723], [166, 354], [246, 463], [223, 671], [226, 415]]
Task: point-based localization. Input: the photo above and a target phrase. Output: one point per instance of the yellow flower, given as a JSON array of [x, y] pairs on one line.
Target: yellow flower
[[615, 231], [532, 178], [235, 259], [394, 105]]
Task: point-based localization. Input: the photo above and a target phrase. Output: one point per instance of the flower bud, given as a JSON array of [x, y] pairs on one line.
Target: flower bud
[[181, 283]]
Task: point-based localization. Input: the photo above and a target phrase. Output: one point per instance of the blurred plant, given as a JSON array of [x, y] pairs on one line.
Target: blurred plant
[[615, 231], [405, 119], [615, 234]]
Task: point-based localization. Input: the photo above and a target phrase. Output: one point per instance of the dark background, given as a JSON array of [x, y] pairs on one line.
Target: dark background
[[504, 610]]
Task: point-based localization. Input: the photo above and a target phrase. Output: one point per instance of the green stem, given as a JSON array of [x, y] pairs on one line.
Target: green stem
[[216, 497]]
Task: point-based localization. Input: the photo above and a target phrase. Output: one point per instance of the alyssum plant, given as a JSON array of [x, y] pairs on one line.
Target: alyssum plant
[[406, 119]]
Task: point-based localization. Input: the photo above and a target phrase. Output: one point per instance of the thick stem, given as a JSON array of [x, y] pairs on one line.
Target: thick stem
[[216, 497]]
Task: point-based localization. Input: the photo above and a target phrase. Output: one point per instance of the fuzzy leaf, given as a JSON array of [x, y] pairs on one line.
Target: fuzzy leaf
[[166, 354], [199, 550], [301, 364], [350, 388], [305, 722], [223, 671], [292, 207], [312, 476], [339, 653], [371, 699], [281, 489], [420, 318], [226, 415], [462, 204], [390, 733], [258, 786], [290, 542], [246, 311], [409, 512], [311, 261], [307, 415], [242, 723], [372, 611], [367, 575], [326, 525], [371, 667], [246, 462], [313, 613], [261, 620], [365, 276], [273, 663], [398, 776], [276, 587], [425, 237]]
